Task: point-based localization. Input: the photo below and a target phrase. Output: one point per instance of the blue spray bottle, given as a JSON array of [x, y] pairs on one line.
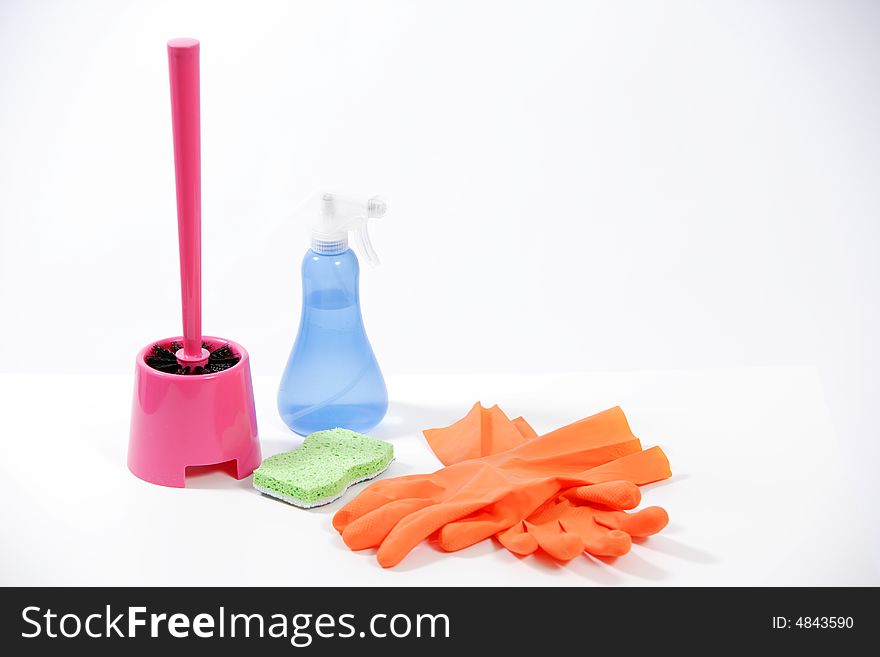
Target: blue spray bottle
[[332, 378]]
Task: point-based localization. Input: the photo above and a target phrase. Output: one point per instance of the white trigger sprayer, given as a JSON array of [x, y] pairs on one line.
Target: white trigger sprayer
[[339, 215]]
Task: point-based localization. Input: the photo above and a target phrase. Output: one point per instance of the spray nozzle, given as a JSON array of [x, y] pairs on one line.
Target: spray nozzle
[[336, 215]]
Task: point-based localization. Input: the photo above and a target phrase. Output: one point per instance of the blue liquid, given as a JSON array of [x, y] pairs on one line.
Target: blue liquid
[[332, 378]]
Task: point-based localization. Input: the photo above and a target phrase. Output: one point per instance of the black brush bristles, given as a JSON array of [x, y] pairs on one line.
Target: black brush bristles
[[220, 359], [164, 359]]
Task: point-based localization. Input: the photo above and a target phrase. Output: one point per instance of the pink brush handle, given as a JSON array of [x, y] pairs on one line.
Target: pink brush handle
[[183, 68]]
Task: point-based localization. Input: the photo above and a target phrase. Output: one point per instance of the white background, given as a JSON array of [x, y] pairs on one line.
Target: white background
[[573, 186]]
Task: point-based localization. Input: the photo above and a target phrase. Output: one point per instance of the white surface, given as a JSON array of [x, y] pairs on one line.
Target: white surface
[[758, 494]]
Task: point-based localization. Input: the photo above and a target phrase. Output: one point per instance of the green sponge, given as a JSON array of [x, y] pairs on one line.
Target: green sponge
[[323, 468]]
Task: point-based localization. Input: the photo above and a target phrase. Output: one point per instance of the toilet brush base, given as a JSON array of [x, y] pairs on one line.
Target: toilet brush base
[[179, 421]]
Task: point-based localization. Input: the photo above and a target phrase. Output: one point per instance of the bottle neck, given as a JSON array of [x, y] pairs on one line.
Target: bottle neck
[[332, 246]]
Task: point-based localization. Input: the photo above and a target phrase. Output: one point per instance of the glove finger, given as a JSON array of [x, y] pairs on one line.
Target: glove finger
[[418, 526], [646, 522], [613, 494], [518, 540], [384, 492], [597, 539], [371, 529], [477, 527], [493, 518], [555, 541], [367, 501]]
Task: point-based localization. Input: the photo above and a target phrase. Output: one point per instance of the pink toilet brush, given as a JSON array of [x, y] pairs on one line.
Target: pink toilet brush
[[193, 399]]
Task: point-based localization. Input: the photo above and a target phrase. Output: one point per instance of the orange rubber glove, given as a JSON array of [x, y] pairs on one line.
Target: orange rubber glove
[[482, 432], [586, 519], [396, 514], [626, 474]]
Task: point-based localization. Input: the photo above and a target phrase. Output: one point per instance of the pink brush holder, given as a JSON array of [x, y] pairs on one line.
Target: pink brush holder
[[178, 421]]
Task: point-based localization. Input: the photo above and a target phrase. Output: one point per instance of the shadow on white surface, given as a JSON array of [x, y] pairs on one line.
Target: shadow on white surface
[[634, 565], [215, 477], [582, 567], [596, 570], [674, 479], [409, 420], [606, 572], [428, 553], [673, 548]]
